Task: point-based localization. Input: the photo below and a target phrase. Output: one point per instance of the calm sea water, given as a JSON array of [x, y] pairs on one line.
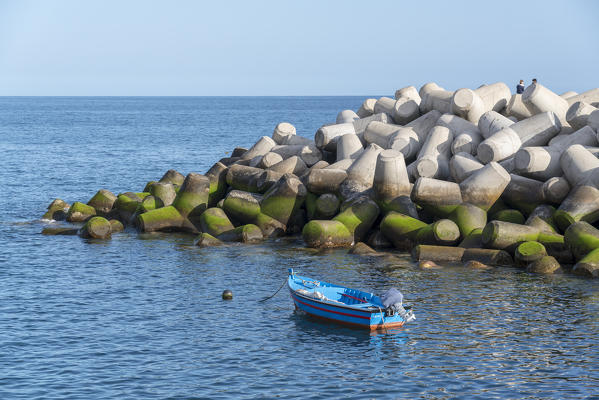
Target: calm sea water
[[140, 316]]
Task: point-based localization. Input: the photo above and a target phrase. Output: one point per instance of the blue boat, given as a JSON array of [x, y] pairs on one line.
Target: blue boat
[[348, 306]]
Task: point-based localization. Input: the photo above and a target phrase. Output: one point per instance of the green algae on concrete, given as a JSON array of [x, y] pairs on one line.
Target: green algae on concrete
[[164, 191], [214, 221], [588, 265], [57, 210], [441, 232], [80, 212], [326, 234], [102, 201], [545, 265], [173, 177], [65, 231], [284, 198], [582, 204], [359, 217], [96, 228], [400, 229], [509, 215], [207, 240], [116, 226], [310, 205], [581, 238], [507, 236], [326, 206], [468, 217], [218, 183], [528, 252], [161, 219], [241, 206], [192, 198], [248, 233], [473, 239]]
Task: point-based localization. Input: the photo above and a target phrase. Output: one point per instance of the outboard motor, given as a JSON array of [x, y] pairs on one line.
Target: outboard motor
[[392, 300]]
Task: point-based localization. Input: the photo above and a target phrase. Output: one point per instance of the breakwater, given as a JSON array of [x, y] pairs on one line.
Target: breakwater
[[479, 175]]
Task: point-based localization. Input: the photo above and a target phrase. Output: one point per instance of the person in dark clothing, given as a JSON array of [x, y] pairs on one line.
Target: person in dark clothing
[[520, 87], [534, 81]]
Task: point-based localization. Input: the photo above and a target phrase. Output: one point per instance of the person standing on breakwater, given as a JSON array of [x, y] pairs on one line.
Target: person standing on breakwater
[[520, 87], [534, 80]]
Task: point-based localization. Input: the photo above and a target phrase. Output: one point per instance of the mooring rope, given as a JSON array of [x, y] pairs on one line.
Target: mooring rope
[[274, 294]]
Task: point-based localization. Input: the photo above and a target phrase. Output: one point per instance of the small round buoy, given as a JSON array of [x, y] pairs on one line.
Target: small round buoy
[[227, 295]]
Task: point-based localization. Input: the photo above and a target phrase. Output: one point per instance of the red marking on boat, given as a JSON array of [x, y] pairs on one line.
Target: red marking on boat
[[355, 298]]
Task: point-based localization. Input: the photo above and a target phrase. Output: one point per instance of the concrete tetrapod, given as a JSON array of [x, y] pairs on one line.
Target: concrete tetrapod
[[161, 219], [517, 109], [523, 193], [207, 240], [582, 204], [544, 162], [164, 191], [367, 108], [260, 148], [409, 92], [580, 166], [471, 104], [588, 266], [590, 96], [292, 165], [391, 183], [507, 236], [327, 135], [80, 212], [438, 197], [410, 138], [384, 105], [214, 221], [581, 238], [485, 185], [103, 201], [326, 234], [466, 135], [539, 99], [309, 153], [96, 228], [360, 176], [282, 132], [406, 110], [433, 157], [242, 207], [57, 210], [192, 199], [349, 146], [172, 176], [442, 232], [439, 100], [462, 165], [508, 215], [325, 180], [359, 217], [283, 199], [379, 133], [217, 175], [248, 233], [244, 178], [468, 217], [116, 226], [346, 116], [578, 114], [545, 265], [533, 131], [127, 204], [400, 229], [460, 254], [326, 206], [542, 218], [528, 252], [492, 122]]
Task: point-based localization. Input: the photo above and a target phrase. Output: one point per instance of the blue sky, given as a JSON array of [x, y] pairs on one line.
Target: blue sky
[[292, 48]]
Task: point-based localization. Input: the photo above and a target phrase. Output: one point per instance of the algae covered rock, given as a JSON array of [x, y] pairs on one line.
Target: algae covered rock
[[173, 177], [284, 198], [57, 210], [102, 201], [214, 221], [96, 228], [359, 217], [363, 249], [64, 231], [529, 252], [241, 206], [192, 198], [218, 183], [400, 229], [149, 203], [80, 212], [248, 233], [116, 226], [160, 219], [126, 204], [588, 266], [544, 265], [164, 191], [207, 240], [326, 234]]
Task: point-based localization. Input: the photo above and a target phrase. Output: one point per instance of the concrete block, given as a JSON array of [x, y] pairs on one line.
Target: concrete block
[[367, 108], [349, 146], [433, 158], [283, 131], [471, 104], [516, 108], [409, 139], [492, 122], [578, 114], [539, 99], [346, 116]]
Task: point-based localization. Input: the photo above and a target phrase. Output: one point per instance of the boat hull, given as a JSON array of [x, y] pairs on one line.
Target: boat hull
[[345, 315]]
